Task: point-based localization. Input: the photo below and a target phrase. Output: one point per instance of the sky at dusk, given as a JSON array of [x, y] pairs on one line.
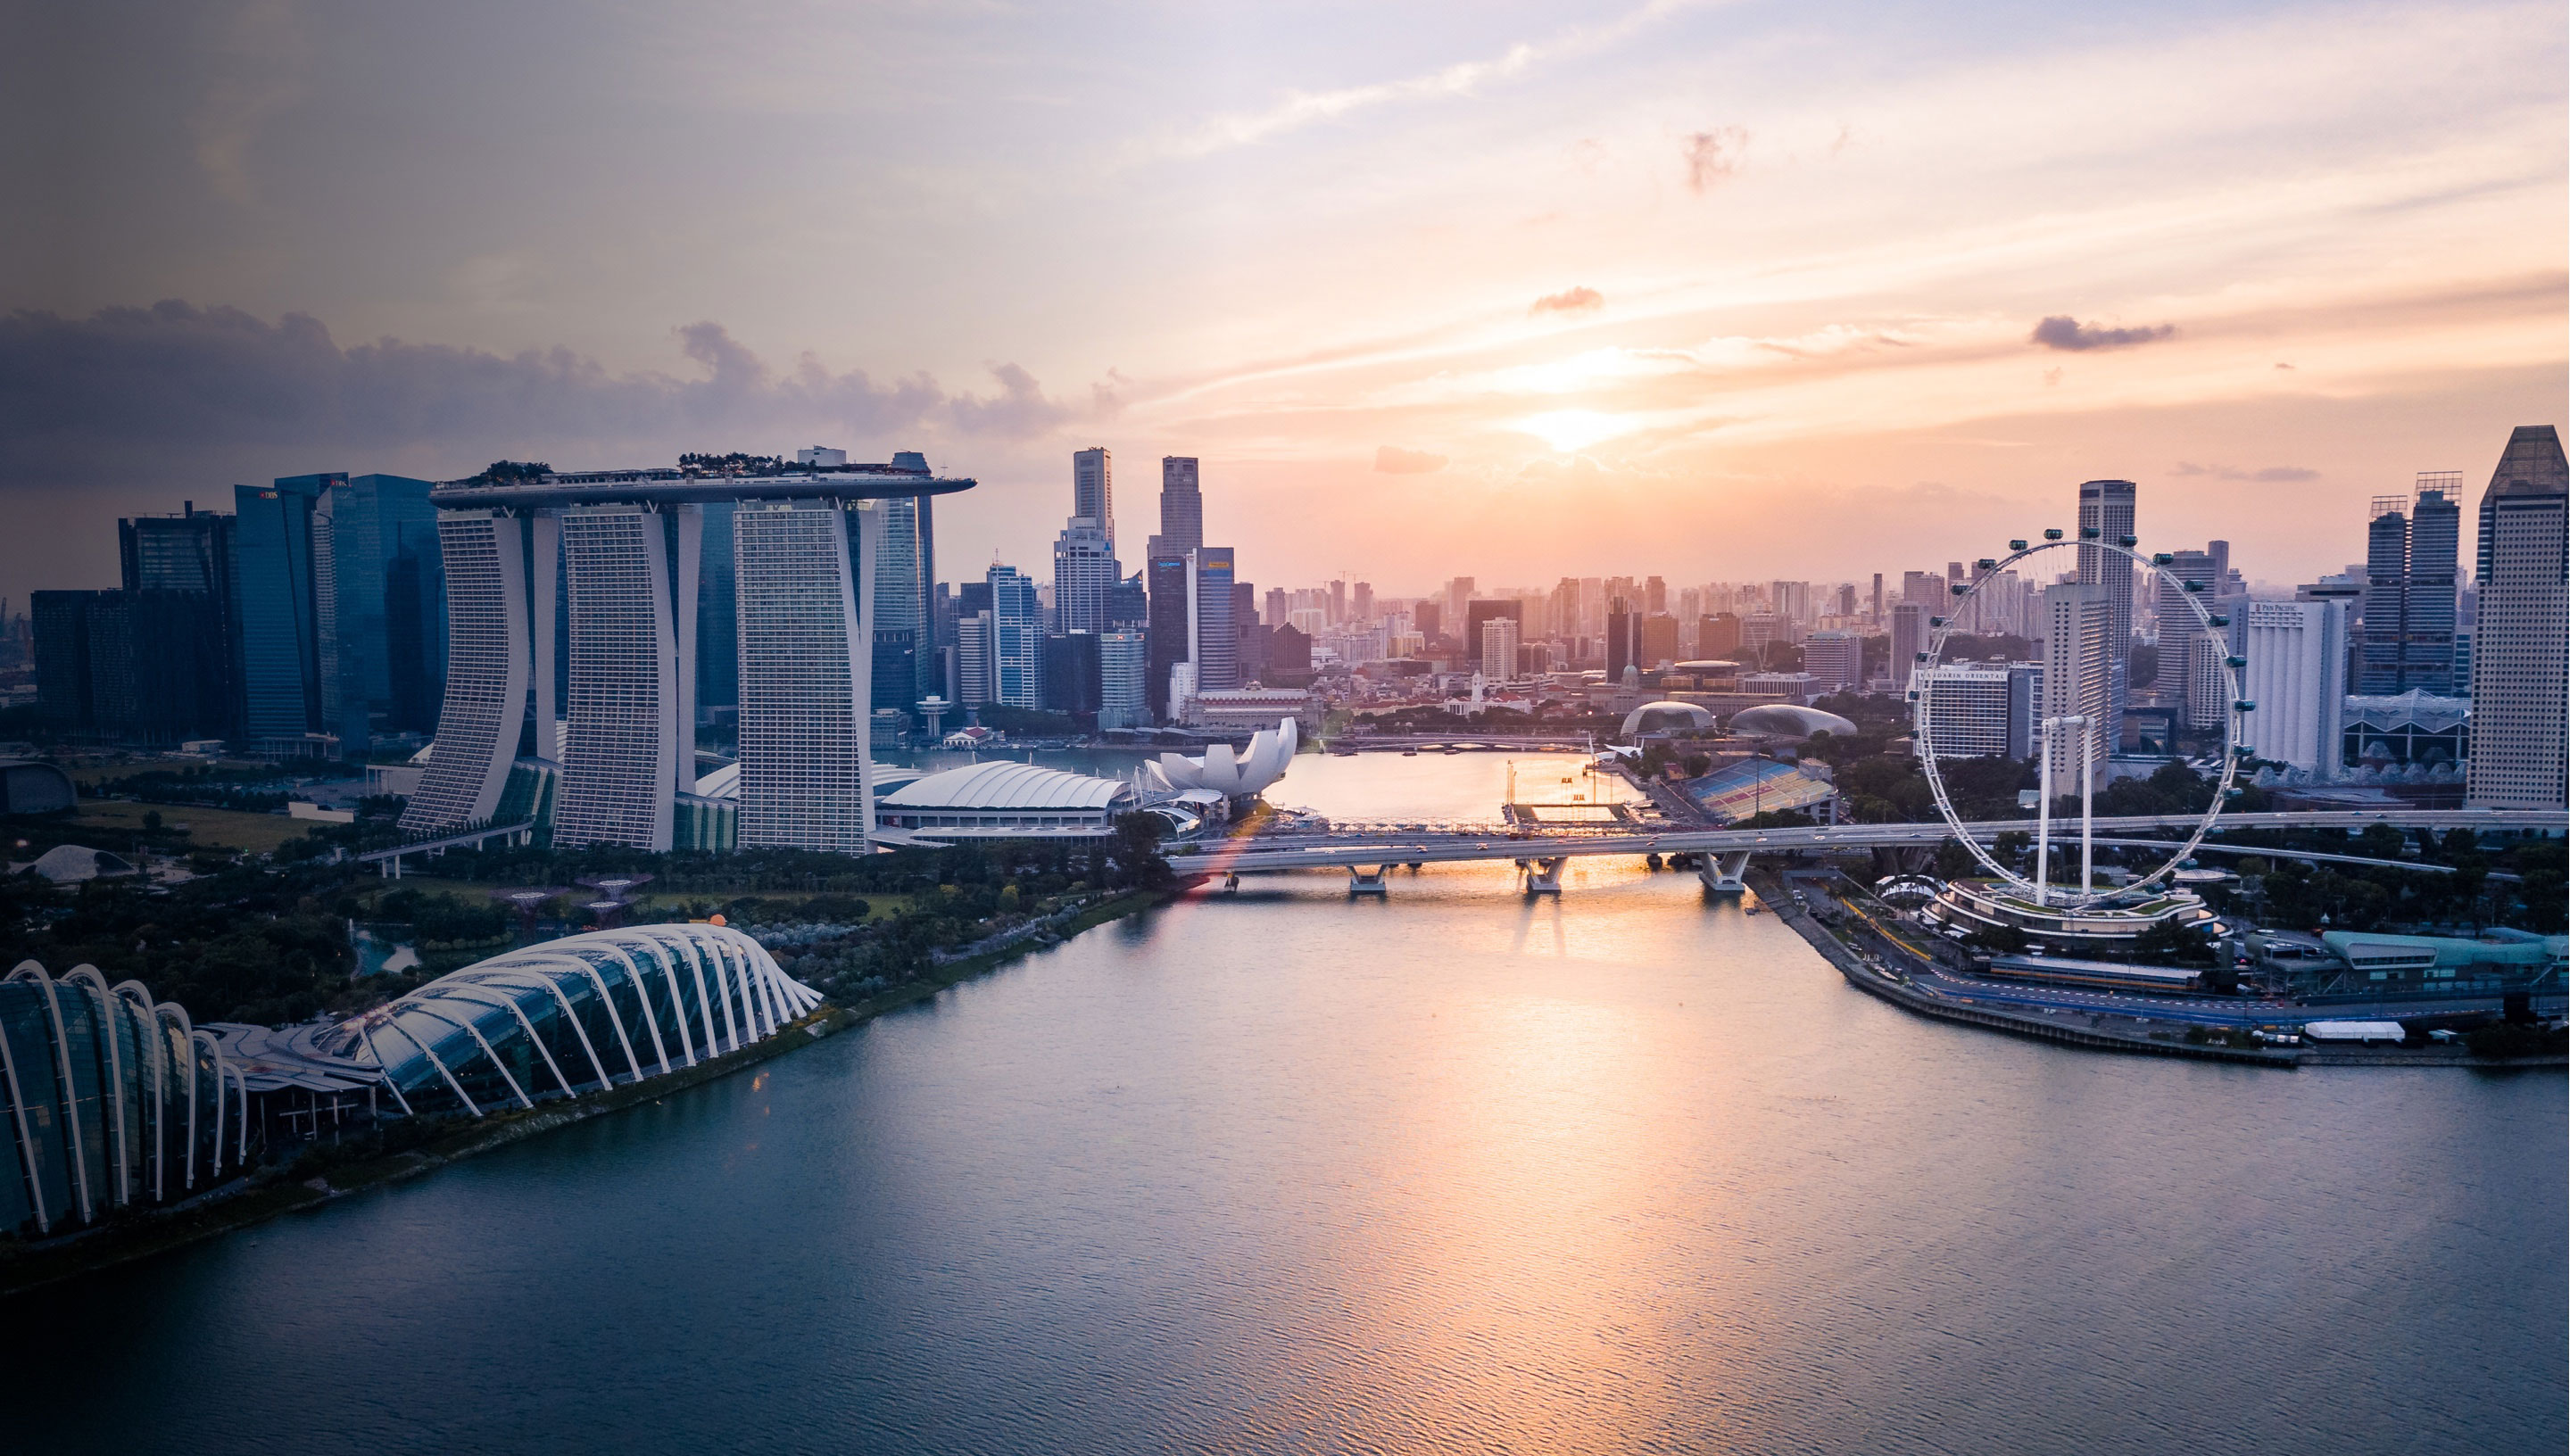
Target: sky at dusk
[[1515, 290]]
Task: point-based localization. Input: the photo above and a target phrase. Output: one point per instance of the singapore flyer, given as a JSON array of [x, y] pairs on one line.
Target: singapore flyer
[[2068, 759]]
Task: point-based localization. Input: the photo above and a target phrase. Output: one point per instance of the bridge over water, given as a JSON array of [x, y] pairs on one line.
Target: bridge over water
[[1460, 740], [1365, 852]]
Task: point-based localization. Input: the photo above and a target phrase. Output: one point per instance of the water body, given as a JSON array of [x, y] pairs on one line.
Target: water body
[[1450, 1171]]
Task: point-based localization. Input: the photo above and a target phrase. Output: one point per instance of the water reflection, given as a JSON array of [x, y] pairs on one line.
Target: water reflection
[[1450, 1170]]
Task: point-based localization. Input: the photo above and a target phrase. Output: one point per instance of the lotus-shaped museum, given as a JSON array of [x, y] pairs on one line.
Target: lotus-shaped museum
[[1269, 753]]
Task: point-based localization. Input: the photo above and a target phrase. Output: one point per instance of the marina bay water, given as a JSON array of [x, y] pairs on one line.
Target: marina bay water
[[1450, 1170]]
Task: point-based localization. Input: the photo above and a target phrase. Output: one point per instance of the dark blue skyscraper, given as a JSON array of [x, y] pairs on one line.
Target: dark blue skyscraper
[[392, 607], [339, 597], [288, 619]]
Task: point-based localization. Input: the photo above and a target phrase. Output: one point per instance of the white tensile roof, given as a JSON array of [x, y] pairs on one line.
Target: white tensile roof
[[1003, 785]]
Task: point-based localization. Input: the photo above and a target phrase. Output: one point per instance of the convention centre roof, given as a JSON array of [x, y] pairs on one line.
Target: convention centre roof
[[1004, 785]]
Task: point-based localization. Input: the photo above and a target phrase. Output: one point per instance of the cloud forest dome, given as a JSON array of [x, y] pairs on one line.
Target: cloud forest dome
[[577, 1015], [109, 1099]]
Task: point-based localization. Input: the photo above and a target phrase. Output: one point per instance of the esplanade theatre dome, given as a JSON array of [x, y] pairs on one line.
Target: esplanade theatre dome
[[1667, 717], [1789, 720]]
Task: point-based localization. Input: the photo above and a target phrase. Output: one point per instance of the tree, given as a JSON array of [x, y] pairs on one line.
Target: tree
[[2000, 940], [2171, 943], [1134, 856], [1953, 862]]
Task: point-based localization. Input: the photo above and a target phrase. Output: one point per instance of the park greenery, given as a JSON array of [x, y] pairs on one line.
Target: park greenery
[[272, 939]]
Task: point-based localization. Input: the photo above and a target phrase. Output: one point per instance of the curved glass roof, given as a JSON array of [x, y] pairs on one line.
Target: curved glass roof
[[581, 1014]]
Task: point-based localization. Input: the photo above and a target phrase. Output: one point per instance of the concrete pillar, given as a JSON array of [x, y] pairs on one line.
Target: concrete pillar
[[1723, 874]]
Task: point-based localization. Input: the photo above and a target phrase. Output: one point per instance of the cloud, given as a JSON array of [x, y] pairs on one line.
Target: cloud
[[1712, 157], [176, 377], [1393, 460], [1302, 108], [2061, 331], [256, 72], [1575, 301], [2270, 474]]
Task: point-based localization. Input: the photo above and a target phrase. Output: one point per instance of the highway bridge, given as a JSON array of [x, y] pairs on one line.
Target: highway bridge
[[1461, 740], [1365, 854]]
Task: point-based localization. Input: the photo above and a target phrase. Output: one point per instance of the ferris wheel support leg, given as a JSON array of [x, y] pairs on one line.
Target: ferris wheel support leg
[[2087, 818], [2043, 826]]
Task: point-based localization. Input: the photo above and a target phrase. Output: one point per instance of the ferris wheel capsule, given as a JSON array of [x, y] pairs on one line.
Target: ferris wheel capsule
[[2017, 546], [2054, 535], [2163, 559]]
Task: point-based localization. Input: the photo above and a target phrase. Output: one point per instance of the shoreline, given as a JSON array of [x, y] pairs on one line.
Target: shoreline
[[2100, 1037], [140, 1234]]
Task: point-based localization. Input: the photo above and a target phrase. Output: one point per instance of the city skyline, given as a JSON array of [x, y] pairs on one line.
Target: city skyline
[[1910, 280]]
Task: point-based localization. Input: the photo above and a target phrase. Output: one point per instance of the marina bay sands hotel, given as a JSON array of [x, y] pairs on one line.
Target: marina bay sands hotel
[[630, 551]]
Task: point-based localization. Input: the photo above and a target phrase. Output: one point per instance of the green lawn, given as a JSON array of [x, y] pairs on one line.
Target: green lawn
[[219, 828]]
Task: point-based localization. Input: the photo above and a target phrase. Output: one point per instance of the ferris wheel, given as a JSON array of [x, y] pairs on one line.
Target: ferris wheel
[[2079, 735]]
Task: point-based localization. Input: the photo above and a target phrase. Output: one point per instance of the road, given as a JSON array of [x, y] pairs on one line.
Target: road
[[1338, 849]]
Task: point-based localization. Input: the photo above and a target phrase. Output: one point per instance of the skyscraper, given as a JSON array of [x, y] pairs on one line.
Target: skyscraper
[[1834, 659], [286, 608], [1093, 490], [2106, 510], [2297, 676], [901, 608], [1016, 640], [973, 658], [2413, 548], [631, 708], [1121, 665], [1084, 573], [1623, 638], [2178, 626], [2078, 627], [2521, 635], [1908, 639], [605, 564], [1171, 628], [500, 650], [392, 607], [64, 698], [807, 661], [1072, 680], [1499, 645], [192, 554], [1214, 646], [1181, 505], [341, 606]]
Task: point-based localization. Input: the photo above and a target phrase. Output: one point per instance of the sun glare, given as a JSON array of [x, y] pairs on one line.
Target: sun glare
[[1568, 429]]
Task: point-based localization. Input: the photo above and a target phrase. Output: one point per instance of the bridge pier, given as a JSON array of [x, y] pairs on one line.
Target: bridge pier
[[1723, 874], [1544, 877], [1362, 881]]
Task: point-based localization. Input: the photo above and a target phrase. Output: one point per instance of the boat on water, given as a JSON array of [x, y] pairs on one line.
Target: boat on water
[[1410, 753]]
